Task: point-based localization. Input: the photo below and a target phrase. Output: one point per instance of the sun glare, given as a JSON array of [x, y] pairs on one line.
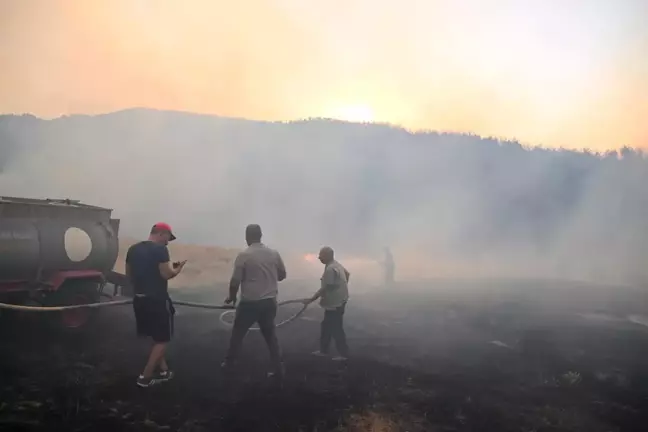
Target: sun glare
[[355, 113]]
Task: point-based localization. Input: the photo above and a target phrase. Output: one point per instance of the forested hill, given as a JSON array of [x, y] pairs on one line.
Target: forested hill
[[450, 200]]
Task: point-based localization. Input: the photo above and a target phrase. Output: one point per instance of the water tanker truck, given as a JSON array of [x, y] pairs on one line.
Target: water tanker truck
[[56, 253]]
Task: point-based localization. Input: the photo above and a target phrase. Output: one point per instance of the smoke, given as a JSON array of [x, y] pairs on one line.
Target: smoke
[[570, 77], [446, 204]]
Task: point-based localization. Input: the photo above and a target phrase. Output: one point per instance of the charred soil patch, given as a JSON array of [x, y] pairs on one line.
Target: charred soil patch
[[423, 362]]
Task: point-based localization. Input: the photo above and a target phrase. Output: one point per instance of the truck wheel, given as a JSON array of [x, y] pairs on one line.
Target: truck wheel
[[75, 292]]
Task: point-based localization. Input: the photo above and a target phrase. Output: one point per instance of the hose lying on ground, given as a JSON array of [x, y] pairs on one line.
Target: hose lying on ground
[[103, 304], [229, 308], [279, 324], [23, 308]]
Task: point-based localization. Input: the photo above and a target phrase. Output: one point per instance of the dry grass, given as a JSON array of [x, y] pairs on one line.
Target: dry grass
[[207, 265], [371, 421]]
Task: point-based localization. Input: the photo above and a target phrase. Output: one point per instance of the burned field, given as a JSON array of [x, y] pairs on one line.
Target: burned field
[[428, 356]]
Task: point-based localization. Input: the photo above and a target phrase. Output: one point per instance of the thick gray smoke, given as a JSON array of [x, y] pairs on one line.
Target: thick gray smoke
[[447, 204]]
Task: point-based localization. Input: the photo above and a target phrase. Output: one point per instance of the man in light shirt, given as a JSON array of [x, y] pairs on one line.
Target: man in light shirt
[[389, 266], [333, 295], [257, 270]]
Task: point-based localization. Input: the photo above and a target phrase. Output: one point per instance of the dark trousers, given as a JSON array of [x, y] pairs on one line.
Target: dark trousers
[[333, 328], [262, 312], [389, 276]]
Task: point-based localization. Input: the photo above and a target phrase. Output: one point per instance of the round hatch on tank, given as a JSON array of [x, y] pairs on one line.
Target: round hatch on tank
[[78, 244]]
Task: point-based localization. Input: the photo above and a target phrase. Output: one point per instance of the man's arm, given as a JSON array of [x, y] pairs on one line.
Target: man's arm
[[164, 264], [281, 268], [329, 283], [317, 295], [233, 290], [128, 266], [236, 279], [321, 291], [348, 275]]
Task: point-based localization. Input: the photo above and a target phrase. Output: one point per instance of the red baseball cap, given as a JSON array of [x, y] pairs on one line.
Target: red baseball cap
[[163, 226]]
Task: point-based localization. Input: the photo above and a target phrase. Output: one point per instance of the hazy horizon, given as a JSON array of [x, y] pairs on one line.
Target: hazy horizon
[[570, 74], [447, 204], [452, 109], [528, 145]]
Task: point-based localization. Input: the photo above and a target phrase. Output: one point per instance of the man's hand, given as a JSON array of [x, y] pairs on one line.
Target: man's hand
[[170, 270], [308, 301], [230, 300]]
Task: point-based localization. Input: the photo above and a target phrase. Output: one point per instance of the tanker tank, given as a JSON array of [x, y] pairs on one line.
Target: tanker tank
[[55, 251]]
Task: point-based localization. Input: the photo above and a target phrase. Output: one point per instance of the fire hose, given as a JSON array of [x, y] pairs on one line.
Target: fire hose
[[279, 324], [229, 308]]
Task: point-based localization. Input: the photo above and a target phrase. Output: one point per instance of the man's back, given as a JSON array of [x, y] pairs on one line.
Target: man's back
[[144, 259], [259, 269]]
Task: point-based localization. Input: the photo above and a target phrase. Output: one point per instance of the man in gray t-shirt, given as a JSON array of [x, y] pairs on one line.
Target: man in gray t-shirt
[[333, 295], [257, 270]]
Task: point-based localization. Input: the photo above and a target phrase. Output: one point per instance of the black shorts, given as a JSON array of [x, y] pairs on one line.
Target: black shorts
[[154, 318]]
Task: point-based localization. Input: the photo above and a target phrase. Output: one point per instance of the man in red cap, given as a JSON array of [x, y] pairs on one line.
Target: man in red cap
[[149, 269]]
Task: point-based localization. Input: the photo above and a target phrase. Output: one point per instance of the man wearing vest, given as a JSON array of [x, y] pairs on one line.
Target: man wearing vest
[[257, 270], [333, 295]]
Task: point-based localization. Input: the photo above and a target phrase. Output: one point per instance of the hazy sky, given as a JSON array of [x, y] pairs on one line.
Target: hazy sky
[[570, 73]]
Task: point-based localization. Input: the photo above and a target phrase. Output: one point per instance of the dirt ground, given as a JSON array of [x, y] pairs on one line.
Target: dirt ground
[[427, 356]]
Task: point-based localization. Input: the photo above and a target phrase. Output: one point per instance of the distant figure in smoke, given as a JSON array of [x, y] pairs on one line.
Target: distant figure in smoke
[[334, 294], [257, 270], [389, 267], [149, 269]]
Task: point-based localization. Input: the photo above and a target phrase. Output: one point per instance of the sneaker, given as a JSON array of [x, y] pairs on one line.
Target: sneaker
[[319, 354], [278, 374], [146, 382], [277, 378], [165, 375], [340, 358]]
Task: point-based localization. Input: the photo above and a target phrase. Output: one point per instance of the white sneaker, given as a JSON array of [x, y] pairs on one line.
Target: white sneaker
[[319, 353], [340, 358]]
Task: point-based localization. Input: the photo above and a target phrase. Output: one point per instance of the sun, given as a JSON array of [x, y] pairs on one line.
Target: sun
[[355, 113]]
